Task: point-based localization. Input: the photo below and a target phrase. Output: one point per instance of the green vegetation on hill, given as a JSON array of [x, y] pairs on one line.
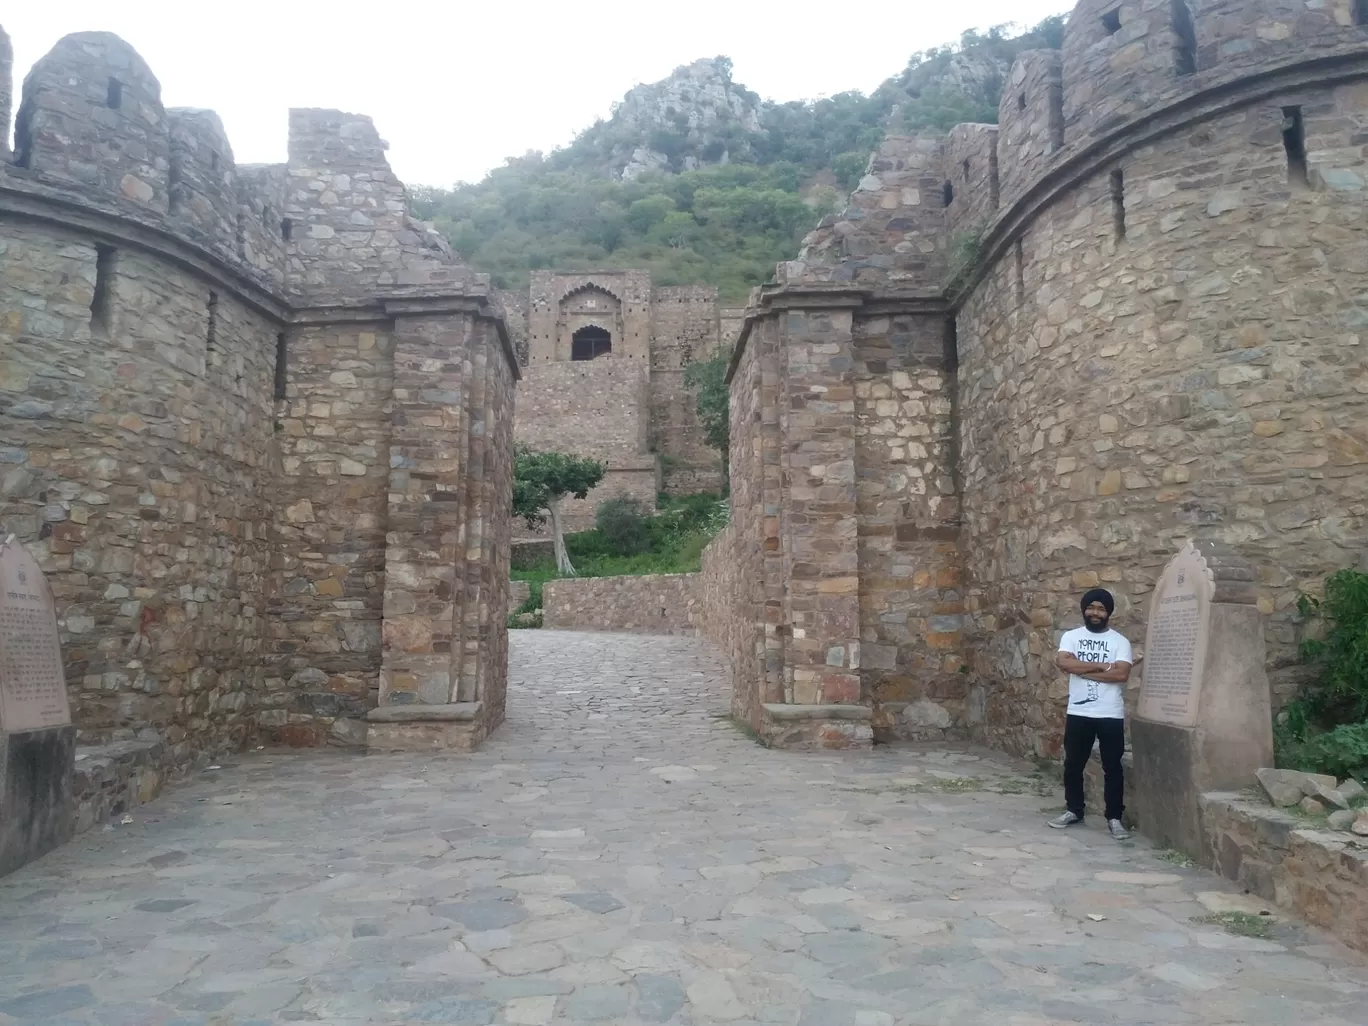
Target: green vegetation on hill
[[723, 224]]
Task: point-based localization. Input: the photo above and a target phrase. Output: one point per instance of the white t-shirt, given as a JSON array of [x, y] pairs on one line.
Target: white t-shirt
[[1091, 697]]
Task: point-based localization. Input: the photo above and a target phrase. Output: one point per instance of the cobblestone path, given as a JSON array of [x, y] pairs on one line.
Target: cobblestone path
[[619, 853]]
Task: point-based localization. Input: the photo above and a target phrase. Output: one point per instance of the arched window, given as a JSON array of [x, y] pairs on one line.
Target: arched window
[[590, 342]]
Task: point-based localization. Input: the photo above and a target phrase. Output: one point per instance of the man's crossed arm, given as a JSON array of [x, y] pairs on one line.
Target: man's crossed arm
[[1106, 673]]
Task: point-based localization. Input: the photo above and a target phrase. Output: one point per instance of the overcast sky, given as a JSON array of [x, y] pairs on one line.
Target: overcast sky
[[457, 87]]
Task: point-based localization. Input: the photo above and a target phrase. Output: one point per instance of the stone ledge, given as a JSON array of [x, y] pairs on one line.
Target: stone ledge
[[426, 736], [789, 713], [815, 728], [110, 779], [1318, 875], [456, 712]]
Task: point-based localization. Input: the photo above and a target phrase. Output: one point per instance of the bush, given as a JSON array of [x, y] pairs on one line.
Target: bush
[[1342, 653], [1326, 729], [1342, 751], [674, 542], [622, 522]]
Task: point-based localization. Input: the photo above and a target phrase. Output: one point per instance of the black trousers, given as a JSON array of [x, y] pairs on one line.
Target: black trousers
[[1079, 734]]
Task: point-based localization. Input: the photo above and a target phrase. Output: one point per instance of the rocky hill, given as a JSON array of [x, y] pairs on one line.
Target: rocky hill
[[697, 116], [699, 180]]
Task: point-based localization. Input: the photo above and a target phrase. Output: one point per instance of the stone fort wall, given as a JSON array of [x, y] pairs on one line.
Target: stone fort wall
[[256, 421], [1035, 356]]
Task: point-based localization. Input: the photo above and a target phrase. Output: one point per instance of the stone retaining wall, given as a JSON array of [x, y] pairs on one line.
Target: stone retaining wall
[[109, 780], [651, 604], [1319, 875]]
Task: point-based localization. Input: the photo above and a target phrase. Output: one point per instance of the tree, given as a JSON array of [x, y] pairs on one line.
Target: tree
[[540, 481], [709, 377]]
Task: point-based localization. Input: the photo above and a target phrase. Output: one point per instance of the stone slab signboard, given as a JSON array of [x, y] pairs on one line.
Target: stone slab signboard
[[32, 682], [1204, 721], [1176, 640], [37, 742]]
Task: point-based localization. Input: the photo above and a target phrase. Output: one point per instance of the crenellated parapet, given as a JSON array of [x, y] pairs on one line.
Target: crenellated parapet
[[1030, 122], [1129, 72], [202, 191], [892, 230], [346, 218], [92, 133], [92, 118]]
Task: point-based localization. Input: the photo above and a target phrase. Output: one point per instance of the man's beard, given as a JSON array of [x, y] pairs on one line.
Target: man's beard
[[1096, 628]]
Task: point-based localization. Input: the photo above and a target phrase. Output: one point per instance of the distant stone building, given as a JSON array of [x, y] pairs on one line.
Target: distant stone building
[[255, 424], [604, 377]]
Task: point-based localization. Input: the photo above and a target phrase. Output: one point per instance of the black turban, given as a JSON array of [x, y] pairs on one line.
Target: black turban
[[1099, 595]]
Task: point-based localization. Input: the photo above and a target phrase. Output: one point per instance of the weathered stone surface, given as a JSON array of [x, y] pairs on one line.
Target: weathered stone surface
[[1008, 372], [926, 713], [1288, 787], [1349, 788], [1342, 819], [651, 604], [209, 407], [1327, 794], [1319, 876], [760, 890]]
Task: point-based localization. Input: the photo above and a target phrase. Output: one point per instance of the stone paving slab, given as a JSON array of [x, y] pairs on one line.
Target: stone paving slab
[[618, 852]]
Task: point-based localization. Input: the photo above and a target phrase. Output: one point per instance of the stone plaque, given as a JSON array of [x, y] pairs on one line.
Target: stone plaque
[[33, 692], [1176, 640]]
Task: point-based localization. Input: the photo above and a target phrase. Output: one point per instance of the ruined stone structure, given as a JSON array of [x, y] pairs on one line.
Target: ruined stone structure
[[255, 422], [604, 378], [1034, 357]]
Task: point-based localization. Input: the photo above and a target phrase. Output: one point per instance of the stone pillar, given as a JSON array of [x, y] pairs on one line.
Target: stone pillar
[[1204, 721], [420, 706], [817, 521], [474, 607]]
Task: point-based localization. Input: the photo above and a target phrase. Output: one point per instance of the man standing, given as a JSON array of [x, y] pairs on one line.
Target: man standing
[[1098, 662]]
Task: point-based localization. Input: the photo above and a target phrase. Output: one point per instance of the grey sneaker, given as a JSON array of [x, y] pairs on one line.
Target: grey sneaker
[[1065, 819], [1118, 830]]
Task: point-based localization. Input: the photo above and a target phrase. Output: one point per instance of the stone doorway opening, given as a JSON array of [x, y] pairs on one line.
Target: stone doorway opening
[[590, 342]]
